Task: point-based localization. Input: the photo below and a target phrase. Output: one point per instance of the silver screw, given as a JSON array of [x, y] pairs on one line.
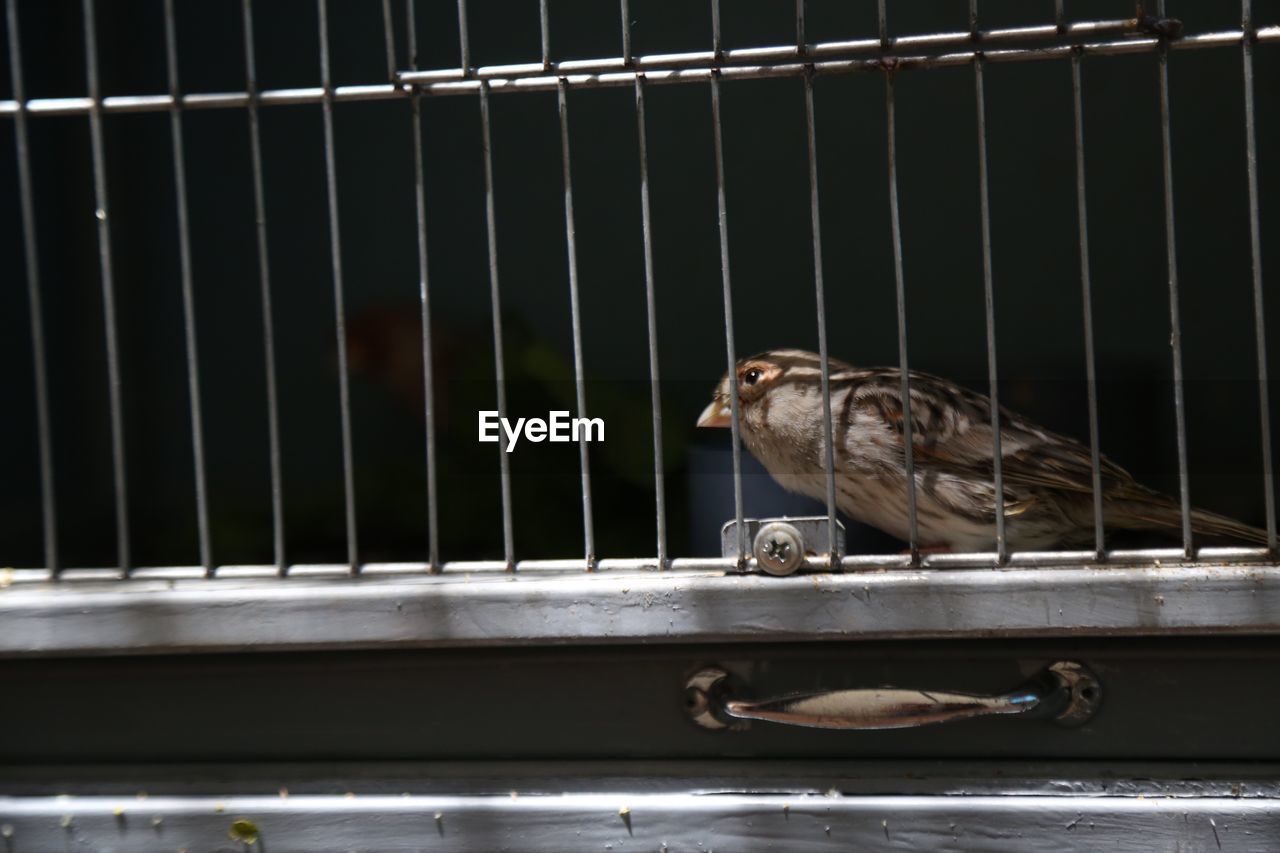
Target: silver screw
[[779, 548]]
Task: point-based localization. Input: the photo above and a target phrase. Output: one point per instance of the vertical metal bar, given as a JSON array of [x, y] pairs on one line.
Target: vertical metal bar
[[1060, 15], [913, 537], [717, 45], [1255, 245], [1175, 323], [464, 42], [188, 295], [1086, 294], [389, 39], [504, 463], [651, 311], [264, 270], [800, 36], [829, 461], [48, 507], [988, 289], [544, 25], [108, 289], [588, 525], [428, 370], [882, 21], [339, 310], [722, 208], [625, 13]]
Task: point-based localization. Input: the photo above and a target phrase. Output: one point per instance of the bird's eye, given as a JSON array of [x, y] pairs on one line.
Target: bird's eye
[[752, 376]]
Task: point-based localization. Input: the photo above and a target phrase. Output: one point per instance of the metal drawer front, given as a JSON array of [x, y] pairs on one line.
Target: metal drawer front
[[1183, 698]]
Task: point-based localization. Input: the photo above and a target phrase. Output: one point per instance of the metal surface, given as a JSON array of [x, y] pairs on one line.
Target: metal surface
[[641, 821], [1065, 691], [414, 609]]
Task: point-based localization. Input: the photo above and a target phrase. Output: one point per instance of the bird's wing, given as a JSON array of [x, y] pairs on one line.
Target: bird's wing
[[951, 430], [951, 434]]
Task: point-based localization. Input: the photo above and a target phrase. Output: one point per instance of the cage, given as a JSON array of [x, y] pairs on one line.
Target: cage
[[272, 263]]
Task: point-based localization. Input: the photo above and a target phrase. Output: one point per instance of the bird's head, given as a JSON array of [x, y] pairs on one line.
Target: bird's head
[[755, 376], [779, 391]]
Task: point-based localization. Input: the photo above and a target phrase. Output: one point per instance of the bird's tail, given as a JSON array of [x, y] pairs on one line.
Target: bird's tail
[[1154, 511]]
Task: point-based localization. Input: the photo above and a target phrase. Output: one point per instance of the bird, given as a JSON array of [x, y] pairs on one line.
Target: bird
[[1047, 478]]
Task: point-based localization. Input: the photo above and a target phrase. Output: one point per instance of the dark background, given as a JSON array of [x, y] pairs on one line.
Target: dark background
[[1036, 267]]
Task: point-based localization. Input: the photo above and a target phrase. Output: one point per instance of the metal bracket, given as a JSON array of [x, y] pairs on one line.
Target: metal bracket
[[780, 545]]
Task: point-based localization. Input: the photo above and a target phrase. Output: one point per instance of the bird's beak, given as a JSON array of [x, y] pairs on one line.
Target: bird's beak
[[716, 414]]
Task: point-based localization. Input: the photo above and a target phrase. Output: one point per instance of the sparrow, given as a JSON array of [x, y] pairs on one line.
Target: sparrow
[[1047, 478]]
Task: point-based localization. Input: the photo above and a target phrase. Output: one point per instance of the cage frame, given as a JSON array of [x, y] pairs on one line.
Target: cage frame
[[48, 592]]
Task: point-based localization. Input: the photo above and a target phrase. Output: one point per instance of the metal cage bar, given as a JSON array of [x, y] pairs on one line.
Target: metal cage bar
[[730, 346], [35, 305], [424, 298], [464, 41], [339, 309], [651, 313], [1255, 254], [1086, 298], [389, 38], [544, 30], [491, 231], [989, 296], [264, 283], [119, 472], [188, 292], [891, 146], [1175, 322], [575, 311], [828, 438], [722, 209], [624, 13]]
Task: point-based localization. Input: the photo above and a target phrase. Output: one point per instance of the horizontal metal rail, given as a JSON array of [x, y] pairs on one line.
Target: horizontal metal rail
[[1240, 780], [645, 821], [577, 608], [656, 70], [1205, 558]]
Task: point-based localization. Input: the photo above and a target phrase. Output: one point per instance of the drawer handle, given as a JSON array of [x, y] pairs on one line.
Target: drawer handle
[[1066, 692]]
